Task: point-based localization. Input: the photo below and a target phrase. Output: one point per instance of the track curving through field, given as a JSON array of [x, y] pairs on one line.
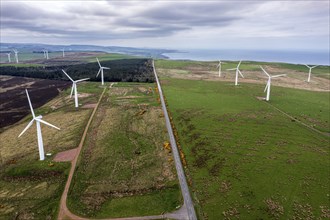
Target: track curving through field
[[65, 213]]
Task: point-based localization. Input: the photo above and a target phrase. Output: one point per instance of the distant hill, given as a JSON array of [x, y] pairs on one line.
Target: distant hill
[[145, 52]]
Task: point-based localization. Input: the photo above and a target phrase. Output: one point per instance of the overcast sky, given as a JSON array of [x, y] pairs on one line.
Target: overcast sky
[[298, 25]]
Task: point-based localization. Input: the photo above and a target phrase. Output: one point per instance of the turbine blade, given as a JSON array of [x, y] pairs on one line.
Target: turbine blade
[[30, 103], [46, 123], [98, 61], [307, 65], [232, 69], [239, 63], [80, 80], [27, 127], [72, 90], [314, 66], [98, 72], [106, 68], [240, 73], [264, 71], [278, 75], [67, 75]]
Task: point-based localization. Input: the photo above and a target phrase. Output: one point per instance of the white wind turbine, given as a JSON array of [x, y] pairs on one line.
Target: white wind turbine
[[46, 53], [38, 120], [101, 70], [9, 60], [237, 72], [269, 82], [74, 88], [219, 66], [16, 55], [310, 71], [63, 54]]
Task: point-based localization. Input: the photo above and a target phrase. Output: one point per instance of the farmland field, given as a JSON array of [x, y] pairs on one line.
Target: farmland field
[[123, 169], [246, 159]]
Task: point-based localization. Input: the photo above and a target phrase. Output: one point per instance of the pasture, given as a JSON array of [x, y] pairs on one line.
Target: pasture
[[245, 159], [124, 169]]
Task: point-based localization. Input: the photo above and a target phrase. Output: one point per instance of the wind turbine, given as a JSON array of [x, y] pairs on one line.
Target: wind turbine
[[310, 71], [219, 66], [16, 56], [63, 55], [9, 60], [38, 120], [237, 72], [101, 70], [269, 82], [46, 51], [74, 88]]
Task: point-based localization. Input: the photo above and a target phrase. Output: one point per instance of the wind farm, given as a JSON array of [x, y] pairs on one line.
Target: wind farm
[[185, 110]]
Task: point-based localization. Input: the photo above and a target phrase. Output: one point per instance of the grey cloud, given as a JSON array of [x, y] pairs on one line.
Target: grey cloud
[[19, 10]]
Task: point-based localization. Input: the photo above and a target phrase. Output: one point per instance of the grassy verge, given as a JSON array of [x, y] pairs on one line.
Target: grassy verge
[[245, 159]]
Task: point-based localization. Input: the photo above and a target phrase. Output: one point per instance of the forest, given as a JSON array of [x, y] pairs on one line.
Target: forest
[[125, 70]]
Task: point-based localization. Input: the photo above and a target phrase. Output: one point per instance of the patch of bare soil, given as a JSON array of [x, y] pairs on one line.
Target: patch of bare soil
[[84, 95], [92, 105], [64, 156]]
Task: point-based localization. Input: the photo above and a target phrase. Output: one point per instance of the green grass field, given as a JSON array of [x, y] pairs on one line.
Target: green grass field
[[123, 169], [245, 159]]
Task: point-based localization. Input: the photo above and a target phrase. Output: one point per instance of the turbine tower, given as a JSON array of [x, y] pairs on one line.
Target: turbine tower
[[237, 72], [269, 82], [38, 120], [46, 51], [63, 54], [219, 66], [310, 71], [101, 70], [16, 55], [9, 60], [74, 88]]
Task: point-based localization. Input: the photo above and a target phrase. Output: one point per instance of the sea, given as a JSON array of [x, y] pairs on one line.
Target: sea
[[296, 57]]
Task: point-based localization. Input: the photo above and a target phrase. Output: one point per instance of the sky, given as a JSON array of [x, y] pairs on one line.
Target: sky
[[171, 24]]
